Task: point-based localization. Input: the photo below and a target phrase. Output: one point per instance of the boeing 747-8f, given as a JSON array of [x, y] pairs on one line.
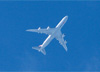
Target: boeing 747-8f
[[53, 33]]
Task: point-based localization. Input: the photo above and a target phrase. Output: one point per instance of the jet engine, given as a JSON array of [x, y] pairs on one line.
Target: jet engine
[[39, 28], [63, 35], [48, 27], [65, 41]]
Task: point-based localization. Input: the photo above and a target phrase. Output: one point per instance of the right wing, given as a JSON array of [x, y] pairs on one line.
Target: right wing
[[46, 31], [59, 36]]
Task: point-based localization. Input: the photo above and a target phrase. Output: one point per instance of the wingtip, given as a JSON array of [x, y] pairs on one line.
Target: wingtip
[[27, 30], [66, 50]]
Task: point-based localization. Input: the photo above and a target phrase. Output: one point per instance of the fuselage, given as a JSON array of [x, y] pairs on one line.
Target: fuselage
[[57, 28]]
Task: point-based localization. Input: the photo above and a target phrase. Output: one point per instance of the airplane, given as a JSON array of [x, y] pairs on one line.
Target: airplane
[[52, 33]]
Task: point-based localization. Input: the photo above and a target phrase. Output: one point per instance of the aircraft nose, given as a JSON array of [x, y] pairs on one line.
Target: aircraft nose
[[66, 16]]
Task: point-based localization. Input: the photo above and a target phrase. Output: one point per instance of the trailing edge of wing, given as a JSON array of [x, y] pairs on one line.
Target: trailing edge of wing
[[59, 37]]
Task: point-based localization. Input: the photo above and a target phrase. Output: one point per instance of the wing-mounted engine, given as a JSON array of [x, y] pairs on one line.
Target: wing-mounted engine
[[48, 27], [63, 36], [65, 41], [39, 28]]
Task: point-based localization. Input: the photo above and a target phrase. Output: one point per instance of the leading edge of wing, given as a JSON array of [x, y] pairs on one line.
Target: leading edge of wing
[[46, 31]]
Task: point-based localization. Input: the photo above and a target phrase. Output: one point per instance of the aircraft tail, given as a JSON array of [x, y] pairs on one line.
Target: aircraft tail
[[40, 50]]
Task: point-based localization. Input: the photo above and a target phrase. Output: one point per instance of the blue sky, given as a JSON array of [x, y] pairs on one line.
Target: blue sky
[[82, 32]]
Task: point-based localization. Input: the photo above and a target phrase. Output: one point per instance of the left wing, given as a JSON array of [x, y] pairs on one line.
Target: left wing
[[39, 30], [60, 37]]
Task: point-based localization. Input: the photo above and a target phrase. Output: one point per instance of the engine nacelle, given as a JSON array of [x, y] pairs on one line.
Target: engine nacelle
[[65, 41], [48, 27], [63, 35], [39, 28]]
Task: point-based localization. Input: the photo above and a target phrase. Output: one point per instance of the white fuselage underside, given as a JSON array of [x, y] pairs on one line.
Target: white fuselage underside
[[52, 36]]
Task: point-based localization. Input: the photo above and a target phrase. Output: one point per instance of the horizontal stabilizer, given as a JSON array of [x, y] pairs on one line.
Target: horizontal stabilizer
[[40, 50], [36, 48], [43, 51]]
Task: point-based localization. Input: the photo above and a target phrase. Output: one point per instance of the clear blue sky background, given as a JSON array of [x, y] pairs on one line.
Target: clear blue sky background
[[82, 32]]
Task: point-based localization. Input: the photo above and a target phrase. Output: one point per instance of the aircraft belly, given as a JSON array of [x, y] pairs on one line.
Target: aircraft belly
[[53, 33], [47, 41]]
